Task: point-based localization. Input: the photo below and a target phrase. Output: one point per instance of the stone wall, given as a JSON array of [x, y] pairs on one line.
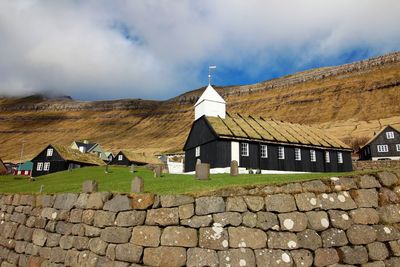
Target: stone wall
[[352, 221], [375, 164]]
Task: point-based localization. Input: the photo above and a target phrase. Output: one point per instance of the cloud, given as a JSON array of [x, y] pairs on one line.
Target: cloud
[[158, 49]]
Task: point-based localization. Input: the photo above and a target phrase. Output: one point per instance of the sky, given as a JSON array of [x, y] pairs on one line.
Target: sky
[[98, 49]]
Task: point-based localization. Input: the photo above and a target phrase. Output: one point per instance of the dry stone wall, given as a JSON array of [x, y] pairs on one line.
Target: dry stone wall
[[375, 164], [351, 221]]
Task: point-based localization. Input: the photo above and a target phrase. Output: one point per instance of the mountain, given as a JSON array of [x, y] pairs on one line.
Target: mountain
[[350, 101]]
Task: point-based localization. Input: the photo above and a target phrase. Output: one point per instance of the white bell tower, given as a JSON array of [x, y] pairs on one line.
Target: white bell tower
[[210, 102]]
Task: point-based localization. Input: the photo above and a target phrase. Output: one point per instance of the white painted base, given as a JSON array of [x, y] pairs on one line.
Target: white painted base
[[384, 158], [244, 171]]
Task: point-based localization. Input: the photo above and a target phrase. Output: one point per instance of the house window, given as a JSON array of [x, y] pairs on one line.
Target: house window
[[39, 166], [197, 151], [281, 152], [398, 147], [244, 149], [264, 151], [383, 148], [327, 157], [46, 166], [120, 157], [313, 156], [49, 152], [297, 154], [389, 135], [339, 157]]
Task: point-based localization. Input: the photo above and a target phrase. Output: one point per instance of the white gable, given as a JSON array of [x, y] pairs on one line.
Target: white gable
[[210, 103]]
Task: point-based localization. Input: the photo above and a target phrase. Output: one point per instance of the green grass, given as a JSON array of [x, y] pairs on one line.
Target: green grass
[[119, 180]]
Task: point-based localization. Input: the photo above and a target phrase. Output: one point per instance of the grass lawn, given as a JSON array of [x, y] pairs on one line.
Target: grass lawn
[[119, 180]]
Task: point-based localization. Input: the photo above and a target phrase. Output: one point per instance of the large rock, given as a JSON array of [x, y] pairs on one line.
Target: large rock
[[169, 201], [128, 252], [340, 200], [294, 221], [333, 238], [186, 211], [386, 233], [364, 216], [387, 196], [65, 201], [365, 198], [316, 186], [325, 257], [96, 200], [353, 255], [242, 237], [361, 234], [179, 236], [282, 240], [267, 220], [116, 235], [254, 203], [202, 257], [249, 219], [237, 257], [146, 236], [165, 256], [130, 218], [215, 237], [395, 247], [236, 204], [118, 203], [142, 201], [228, 218], [198, 221], [162, 216], [209, 205], [387, 179], [317, 220], [340, 219], [306, 201], [389, 213], [280, 203], [309, 239], [368, 181], [98, 246], [273, 257], [377, 251], [39, 237], [302, 257], [104, 218]]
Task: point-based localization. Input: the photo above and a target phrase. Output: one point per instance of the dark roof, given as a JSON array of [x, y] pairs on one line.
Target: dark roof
[[252, 128], [87, 146], [378, 133]]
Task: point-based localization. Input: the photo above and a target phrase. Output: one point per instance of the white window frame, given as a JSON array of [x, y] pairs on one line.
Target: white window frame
[[120, 157], [197, 151], [327, 157], [382, 148], [398, 147], [49, 152], [46, 166], [340, 157], [313, 156], [244, 149], [264, 151], [390, 135], [297, 154], [281, 152], [39, 166]]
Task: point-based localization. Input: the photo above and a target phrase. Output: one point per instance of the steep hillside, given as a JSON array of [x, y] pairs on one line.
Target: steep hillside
[[350, 101]]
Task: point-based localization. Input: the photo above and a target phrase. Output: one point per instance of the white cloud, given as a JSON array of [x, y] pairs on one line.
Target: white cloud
[[157, 49]]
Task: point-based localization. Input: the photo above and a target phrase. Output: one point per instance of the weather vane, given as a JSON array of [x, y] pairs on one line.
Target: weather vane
[[209, 73]]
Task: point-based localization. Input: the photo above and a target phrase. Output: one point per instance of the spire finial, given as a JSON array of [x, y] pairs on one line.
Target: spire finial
[[209, 73]]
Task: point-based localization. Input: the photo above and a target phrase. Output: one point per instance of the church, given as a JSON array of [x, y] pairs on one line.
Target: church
[[259, 144]]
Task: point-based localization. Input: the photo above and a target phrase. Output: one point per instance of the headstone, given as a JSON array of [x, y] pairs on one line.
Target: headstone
[[89, 186], [41, 188], [157, 171], [203, 171], [132, 170], [137, 185], [106, 170], [198, 161], [234, 168]]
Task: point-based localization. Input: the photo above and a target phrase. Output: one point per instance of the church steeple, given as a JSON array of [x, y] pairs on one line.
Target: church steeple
[[210, 104]]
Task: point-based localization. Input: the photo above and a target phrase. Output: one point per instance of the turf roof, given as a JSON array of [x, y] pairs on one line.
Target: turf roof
[[74, 155]]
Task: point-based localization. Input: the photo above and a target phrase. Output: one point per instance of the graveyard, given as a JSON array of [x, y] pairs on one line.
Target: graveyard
[[119, 179]]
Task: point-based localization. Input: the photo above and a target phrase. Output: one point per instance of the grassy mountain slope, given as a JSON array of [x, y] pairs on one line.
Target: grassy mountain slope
[[350, 101]]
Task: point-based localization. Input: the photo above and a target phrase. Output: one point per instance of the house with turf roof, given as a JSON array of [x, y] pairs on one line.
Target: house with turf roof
[[259, 144], [86, 147], [384, 145], [55, 158], [128, 158]]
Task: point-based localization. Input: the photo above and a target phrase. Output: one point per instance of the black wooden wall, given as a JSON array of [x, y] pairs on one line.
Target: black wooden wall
[[57, 163], [124, 162], [217, 153], [367, 154]]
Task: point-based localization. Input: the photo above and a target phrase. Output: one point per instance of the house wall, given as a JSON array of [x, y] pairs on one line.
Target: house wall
[[382, 140], [123, 162], [57, 163], [200, 133], [217, 153], [331, 222]]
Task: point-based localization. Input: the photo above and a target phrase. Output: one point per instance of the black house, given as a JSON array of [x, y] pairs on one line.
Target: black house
[[55, 158], [127, 158], [383, 146], [218, 138]]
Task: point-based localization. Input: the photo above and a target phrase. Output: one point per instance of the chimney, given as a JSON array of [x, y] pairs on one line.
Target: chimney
[[82, 149], [86, 142]]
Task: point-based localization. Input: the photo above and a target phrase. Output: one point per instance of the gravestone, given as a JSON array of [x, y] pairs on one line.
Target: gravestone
[[157, 171], [89, 186], [198, 161], [137, 185], [106, 170], [234, 168], [132, 170], [203, 171]]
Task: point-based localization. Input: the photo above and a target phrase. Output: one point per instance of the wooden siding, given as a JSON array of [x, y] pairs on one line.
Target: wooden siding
[[370, 150]]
